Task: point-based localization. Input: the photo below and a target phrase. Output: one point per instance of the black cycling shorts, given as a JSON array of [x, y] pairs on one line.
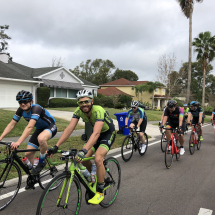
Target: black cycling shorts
[[105, 140], [142, 126], [195, 120], [33, 140], [171, 124]]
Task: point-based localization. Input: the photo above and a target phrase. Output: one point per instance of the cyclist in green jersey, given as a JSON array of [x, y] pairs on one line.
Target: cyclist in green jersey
[[140, 121], [99, 142], [186, 109]]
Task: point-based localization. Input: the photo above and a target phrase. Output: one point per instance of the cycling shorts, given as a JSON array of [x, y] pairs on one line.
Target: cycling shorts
[[33, 140], [142, 126], [195, 120], [105, 140], [175, 125]]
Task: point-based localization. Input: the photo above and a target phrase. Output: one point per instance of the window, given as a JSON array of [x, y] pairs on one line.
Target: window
[[163, 90], [51, 92], [156, 90], [72, 93], [62, 93]]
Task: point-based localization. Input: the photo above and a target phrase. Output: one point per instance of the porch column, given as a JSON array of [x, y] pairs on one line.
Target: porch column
[[159, 100]]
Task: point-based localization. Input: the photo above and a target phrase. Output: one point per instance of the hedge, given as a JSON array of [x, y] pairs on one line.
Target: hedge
[[61, 102], [43, 94]]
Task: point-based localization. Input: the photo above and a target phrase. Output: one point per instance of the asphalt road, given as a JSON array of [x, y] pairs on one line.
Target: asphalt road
[[147, 187]]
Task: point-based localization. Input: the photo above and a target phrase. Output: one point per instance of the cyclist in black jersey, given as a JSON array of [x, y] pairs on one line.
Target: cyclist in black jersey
[[100, 140], [36, 117]]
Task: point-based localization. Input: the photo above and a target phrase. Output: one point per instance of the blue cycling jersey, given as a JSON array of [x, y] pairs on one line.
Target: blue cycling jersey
[[140, 114], [196, 112], [38, 113]]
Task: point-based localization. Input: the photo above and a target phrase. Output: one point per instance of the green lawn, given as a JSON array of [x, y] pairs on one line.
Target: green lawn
[[6, 116], [151, 115]]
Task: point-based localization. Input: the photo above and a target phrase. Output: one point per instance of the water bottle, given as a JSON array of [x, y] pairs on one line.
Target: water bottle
[[87, 175], [27, 162], [93, 173], [36, 161]]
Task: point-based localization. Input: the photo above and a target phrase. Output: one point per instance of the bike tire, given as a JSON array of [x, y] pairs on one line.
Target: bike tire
[[192, 148], [199, 144], [11, 187], [113, 178], [139, 146], [47, 175], [48, 200], [127, 148], [163, 142], [168, 155]]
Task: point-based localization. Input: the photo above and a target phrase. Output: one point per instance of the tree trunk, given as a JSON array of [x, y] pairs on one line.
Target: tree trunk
[[190, 56], [142, 97], [203, 90]]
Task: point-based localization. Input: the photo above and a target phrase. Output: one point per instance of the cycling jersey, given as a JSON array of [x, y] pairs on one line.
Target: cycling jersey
[[38, 113], [98, 114], [174, 116], [196, 112], [186, 110], [140, 114]]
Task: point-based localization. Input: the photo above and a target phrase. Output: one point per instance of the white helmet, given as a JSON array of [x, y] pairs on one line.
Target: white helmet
[[134, 104], [84, 93]]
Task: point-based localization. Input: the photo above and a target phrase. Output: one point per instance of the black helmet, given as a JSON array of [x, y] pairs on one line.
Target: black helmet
[[198, 104], [24, 95], [171, 103]]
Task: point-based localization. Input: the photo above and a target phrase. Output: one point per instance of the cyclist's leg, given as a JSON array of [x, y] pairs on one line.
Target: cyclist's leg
[[88, 164], [142, 131], [181, 137]]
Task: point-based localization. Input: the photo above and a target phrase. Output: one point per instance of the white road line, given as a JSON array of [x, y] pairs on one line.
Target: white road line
[[204, 211]]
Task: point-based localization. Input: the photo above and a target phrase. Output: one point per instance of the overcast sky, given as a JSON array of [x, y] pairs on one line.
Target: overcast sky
[[133, 34]]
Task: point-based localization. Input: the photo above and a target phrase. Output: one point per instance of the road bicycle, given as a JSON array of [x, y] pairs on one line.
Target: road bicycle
[[172, 147], [66, 199], [11, 177], [194, 139], [163, 141], [131, 143]]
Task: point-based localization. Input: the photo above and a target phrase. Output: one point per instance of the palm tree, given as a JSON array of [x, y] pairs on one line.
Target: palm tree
[[204, 45], [139, 89], [151, 88], [187, 9]]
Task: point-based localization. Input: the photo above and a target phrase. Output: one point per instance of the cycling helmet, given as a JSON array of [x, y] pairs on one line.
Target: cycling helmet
[[24, 95], [194, 103], [198, 104], [185, 105], [171, 103], [84, 93], [134, 104]]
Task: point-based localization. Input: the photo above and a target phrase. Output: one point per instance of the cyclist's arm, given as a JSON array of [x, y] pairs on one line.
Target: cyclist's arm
[[68, 131], [162, 117], [212, 116], [139, 122], [27, 131], [126, 121], [200, 117], [164, 120], [181, 116], [189, 117], [94, 136], [8, 129]]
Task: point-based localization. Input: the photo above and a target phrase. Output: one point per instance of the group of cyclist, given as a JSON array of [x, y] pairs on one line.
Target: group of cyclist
[[103, 134]]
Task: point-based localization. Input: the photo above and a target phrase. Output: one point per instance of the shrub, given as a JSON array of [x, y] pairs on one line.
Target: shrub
[[99, 95], [119, 105], [43, 94], [104, 101], [208, 110], [124, 99], [61, 102]]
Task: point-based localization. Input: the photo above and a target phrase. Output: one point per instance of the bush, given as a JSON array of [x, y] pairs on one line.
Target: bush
[[208, 110], [124, 99], [105, 101], [179, 102], [43, 94], [99, 95], [61, 102], [119, 105]]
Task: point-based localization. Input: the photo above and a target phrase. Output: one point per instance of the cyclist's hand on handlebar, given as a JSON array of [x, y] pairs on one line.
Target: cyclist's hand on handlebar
[[14, 146], [80, 155], [188, 124], [52, 150], [126, 126]]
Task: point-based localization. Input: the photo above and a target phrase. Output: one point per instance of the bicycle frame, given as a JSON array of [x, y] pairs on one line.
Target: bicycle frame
[[195, 132]]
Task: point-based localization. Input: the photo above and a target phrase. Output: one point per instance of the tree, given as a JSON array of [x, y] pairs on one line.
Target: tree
[[127, 74], [139, 89], [3, 39], [166, 65], [57, 62], [187, 9], [204, 45]]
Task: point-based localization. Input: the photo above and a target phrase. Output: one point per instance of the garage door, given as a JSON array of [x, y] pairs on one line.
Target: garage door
[[8, 94]]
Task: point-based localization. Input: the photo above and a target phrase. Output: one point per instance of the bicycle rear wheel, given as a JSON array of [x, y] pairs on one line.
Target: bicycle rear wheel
[[127, 149], [48, 203], [192, 143], [140, 145], [169, 153], [199, 144], [48, 174], [10, 181], [163, 142], [112, 179]]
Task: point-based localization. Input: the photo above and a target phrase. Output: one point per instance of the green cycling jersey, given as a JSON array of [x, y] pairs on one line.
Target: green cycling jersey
[[98, 114]]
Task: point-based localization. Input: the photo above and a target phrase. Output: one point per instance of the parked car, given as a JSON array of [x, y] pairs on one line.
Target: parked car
[[145, 107]]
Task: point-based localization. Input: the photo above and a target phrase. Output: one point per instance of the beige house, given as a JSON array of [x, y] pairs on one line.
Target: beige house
[[126, 86]]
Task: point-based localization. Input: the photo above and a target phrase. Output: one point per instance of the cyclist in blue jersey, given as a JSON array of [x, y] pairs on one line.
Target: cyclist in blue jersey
[[140, 121], [37, 117]]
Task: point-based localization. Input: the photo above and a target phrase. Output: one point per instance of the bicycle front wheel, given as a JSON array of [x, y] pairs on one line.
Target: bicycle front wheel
[[10, 181], [199, 144], [112, 181], [169, 153], [51, 203], [140, 145], [163, 142], [192, 143], [127, 149], [48, 174]]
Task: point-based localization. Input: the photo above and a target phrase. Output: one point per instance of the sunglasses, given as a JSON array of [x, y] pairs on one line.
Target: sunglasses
[[133, 107], [23, 102], [191, 106], [84, 102]]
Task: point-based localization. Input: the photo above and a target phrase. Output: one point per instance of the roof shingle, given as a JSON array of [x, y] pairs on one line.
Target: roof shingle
[[112, 91]]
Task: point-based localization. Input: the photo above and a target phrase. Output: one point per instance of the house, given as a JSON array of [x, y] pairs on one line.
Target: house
[[128, 87], [15, 77]]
